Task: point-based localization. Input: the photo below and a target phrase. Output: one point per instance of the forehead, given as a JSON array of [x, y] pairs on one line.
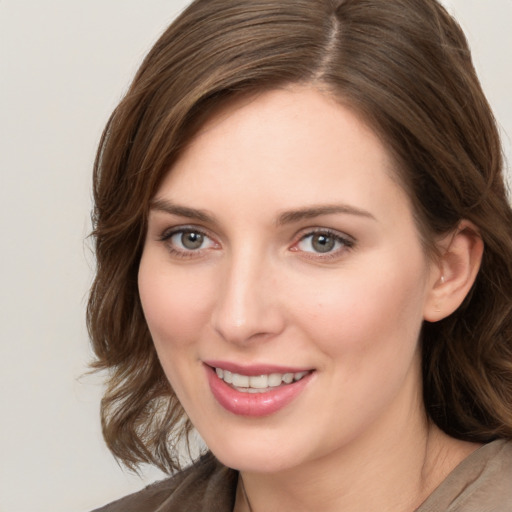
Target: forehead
[[294, 144]]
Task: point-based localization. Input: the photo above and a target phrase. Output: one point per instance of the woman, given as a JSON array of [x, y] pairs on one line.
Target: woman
[[304, 250]]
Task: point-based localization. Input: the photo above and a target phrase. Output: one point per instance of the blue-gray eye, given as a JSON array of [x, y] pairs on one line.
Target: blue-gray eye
[[190, 240], [321, 243]]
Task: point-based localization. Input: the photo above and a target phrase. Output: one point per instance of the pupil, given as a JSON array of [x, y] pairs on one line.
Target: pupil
[[323, 243], [192, 240]]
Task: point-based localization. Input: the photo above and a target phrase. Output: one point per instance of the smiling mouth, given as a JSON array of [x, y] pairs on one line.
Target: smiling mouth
[[258, 383], [256, 390]]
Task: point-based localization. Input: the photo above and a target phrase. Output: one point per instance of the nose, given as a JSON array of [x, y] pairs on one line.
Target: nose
[[247, 306]]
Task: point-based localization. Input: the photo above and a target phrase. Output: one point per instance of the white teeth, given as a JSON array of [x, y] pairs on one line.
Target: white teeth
[[288, 378], [275, 379], [257, 383], [240, 381]]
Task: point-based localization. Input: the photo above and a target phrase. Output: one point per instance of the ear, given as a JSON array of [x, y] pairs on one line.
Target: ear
[[454, 273]]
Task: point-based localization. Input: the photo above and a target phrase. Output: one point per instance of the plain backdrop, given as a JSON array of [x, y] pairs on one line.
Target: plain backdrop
[[64, 64]]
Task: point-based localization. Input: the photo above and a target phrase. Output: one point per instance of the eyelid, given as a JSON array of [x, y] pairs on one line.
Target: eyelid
[[168, 233], [346, 240]]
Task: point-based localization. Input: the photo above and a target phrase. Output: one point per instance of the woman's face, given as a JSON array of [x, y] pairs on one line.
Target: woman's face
[[282, 253]]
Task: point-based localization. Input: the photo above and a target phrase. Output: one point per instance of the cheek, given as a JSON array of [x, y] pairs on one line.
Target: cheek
[[175, 303], [372, 311], [367, 329]]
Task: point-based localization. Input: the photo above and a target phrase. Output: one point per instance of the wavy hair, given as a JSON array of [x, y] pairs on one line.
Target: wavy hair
[[405, 66]]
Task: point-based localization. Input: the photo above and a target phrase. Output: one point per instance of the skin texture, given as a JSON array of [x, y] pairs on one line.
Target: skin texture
[[257, 291]]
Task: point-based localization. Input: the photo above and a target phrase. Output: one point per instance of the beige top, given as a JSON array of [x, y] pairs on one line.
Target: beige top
[[480, 483]]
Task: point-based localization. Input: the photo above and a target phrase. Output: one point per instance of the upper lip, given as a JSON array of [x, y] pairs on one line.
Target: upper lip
[[255, 369]]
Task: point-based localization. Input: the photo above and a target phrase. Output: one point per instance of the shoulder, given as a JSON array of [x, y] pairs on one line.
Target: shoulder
[[207, 485], [483, 481]]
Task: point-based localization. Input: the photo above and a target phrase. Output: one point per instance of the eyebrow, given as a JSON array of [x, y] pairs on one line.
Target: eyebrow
[[287, 217], [316, 211], [163, 205]]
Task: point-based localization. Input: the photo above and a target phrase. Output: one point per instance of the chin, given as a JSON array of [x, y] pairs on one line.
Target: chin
[[256, 462], [256, 453]]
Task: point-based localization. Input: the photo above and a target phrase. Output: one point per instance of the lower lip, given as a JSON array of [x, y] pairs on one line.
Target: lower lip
[[254, 404]]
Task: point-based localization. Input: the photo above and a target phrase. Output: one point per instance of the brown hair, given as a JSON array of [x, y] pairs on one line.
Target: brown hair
[[402, 64]]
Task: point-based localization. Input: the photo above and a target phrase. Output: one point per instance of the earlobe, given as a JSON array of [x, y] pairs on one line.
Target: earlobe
[[456, 270]]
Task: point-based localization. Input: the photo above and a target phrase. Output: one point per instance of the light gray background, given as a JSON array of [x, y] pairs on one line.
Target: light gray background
[[64, 64]]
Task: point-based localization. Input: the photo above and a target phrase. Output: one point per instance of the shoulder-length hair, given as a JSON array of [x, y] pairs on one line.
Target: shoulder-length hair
[[405, 66]]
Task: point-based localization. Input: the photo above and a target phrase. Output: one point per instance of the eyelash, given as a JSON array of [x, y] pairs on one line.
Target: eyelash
[[346, 243], [182, 230]]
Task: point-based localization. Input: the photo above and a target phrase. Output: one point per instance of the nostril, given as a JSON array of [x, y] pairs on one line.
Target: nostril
[[246, 309]]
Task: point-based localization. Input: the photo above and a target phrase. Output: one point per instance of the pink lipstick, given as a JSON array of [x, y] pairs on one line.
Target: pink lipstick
[[256, 390]]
